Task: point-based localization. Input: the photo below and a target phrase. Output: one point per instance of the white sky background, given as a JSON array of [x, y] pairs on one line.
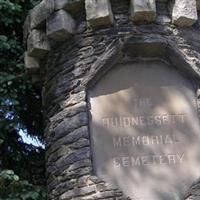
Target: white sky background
[[29, 140]]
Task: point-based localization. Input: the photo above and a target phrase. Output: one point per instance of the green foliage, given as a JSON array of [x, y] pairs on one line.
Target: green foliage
[[18, 94], [20, 105], [12, 188]]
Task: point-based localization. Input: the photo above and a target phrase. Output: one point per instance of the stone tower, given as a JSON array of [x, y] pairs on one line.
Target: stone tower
[[71, 45]]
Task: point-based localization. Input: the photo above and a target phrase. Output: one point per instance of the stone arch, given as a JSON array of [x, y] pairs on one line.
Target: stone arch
[[142, 47]]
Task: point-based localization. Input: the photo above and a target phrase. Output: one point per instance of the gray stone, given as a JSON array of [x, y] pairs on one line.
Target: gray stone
[[99, 13], [68, 174], [41, 12], [80, 164], [108, 195], [80, 144], [70, 111], [81, 132], [184, 13], [38, 44], [78, 192], [145, 46], [198, 4], [78, 64], [74, 99], [75, 156], [70, 124], [26, 28], [143, 11], [65, 186], [31, 63], [60, 26], [69, 5]]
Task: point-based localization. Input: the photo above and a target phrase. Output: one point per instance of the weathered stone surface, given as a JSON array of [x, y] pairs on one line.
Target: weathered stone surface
[[80, 144], [74, 136], [38, 44], [70, 111], [82, 171], [40, 13], [99, 13], [143, 11], [70, 124], [69, 5], [31, 63], [73, 157], [184, 13], [76, 64], [147, 46], [26, 28], [80, 164], [78, 192], [60, 25], [198, 4]]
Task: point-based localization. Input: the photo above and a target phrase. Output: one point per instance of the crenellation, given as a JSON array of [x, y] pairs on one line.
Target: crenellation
[[37, 44], [143, 11], [32, 64], [60, 26], [99, 13], [184, 13]]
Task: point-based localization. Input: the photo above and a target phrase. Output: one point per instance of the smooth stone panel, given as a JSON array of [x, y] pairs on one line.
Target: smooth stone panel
[[184, 13], [38, 45], [99, 13], [145, 130], [60, 25], [143, 10]]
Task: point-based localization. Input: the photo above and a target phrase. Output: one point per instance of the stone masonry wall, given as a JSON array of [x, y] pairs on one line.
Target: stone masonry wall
[[70, 45]]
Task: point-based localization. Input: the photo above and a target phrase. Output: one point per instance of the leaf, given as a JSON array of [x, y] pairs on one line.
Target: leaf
[[16, 178], [30, 195]]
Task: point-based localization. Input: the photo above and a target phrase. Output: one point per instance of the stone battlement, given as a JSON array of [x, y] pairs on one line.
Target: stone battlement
[[59, 20]]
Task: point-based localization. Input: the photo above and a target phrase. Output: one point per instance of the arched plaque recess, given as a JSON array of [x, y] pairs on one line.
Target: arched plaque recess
[[138, 51]]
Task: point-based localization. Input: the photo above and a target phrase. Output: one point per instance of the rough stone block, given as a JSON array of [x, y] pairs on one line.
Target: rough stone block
[[60, 25], [184, 13], [99, 13], [143, 11], [41, 12], [26, 28], [37, 44], [69, 5], [31, 64], [78, 192], [198, 4], [147, 46]]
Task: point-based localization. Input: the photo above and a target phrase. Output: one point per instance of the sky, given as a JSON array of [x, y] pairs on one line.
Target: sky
[[29, 140]]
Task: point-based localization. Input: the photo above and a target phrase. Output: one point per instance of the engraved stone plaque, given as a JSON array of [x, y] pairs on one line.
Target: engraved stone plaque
[[145, 130]]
